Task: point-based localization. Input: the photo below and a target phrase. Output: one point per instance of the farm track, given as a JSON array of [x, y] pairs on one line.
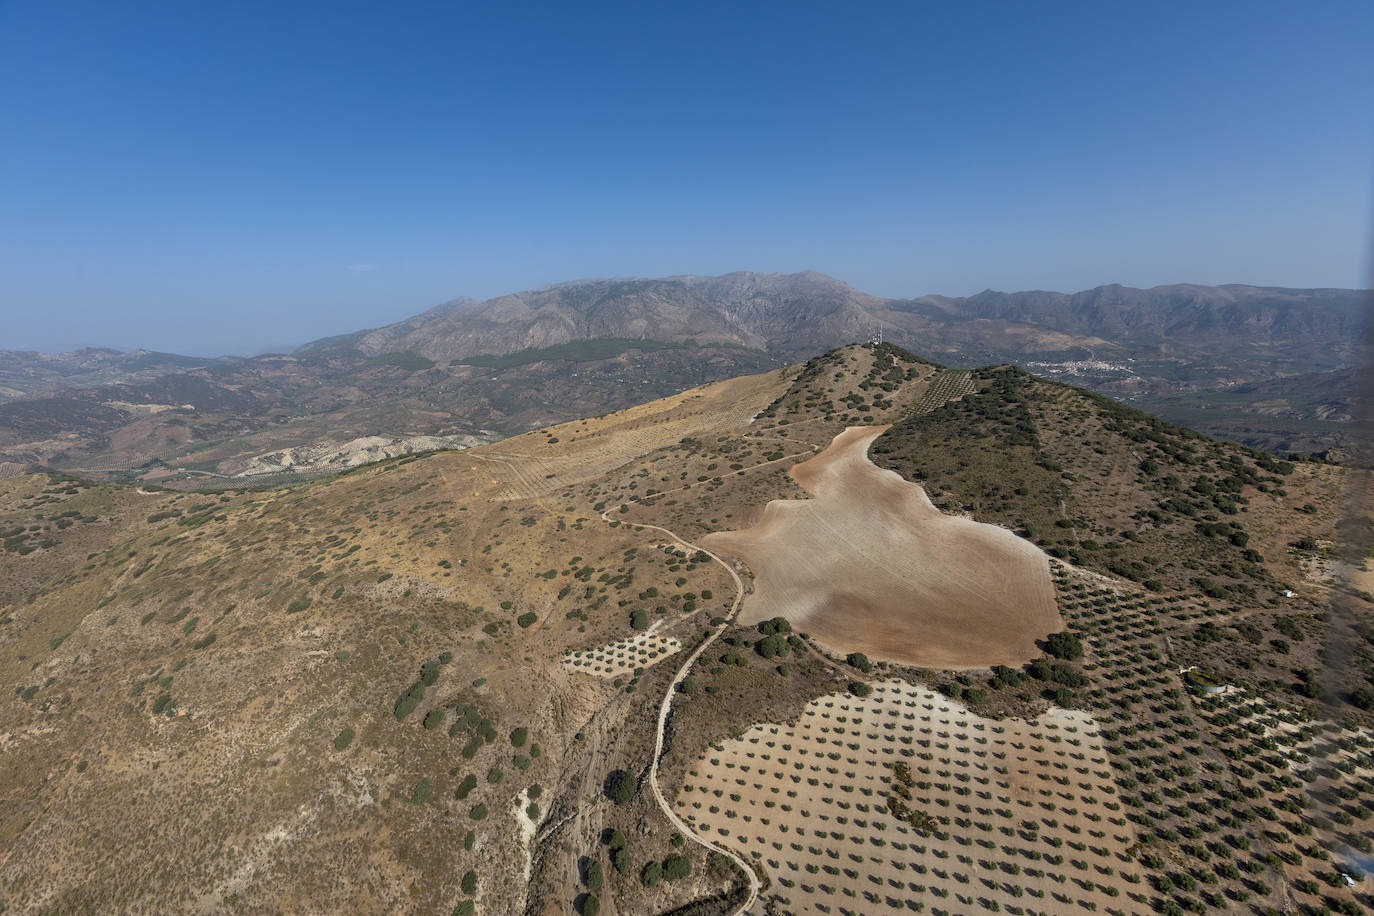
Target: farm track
[[665, 709]]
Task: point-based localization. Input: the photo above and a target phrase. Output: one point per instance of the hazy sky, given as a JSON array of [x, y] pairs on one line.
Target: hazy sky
[[218, 177]]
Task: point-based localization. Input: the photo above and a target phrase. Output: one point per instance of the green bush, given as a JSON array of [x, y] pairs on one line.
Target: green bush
[[434, 718], [675, 867], [421, 793], [639, 620], [469, 883], [860, 661], [620, 787], [466, 908], [465, 787], [590, 905], [300, 604], [1064, 645], [769, 627], [594, 875], [526, 619], [406, 702], [774, 646], [478, 812], [344, 739], [518, 736], [650, 873], [859, 688]]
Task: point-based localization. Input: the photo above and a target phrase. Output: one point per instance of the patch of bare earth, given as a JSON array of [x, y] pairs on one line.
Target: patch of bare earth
[[870, 565]]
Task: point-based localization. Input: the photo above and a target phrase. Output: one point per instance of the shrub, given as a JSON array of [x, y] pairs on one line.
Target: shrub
[[774, 646], [860, 661], [768, 627], [639, 619], [650, 873], [406, 702], [434, 718], [518, 736], [675, 867], [478, 812], [421, 793], [465, 787], [859, 688], [344, 739], [1064, 645], [594, 877], [469, 883], [300, 604], [526, 619], [590, 905], [620, 787]]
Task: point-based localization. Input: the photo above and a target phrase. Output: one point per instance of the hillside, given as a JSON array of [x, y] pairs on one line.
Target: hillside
[[529, 677]]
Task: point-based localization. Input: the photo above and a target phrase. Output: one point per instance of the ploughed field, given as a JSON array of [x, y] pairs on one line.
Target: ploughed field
[[870, 565]]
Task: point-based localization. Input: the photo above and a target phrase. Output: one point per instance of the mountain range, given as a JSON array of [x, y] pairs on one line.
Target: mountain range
[[1207, 355]]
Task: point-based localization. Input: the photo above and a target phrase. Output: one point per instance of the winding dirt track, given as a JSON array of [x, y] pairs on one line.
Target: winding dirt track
[[665, 708], [871, 565]]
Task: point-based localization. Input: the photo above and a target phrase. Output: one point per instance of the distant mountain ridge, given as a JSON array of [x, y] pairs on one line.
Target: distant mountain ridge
[[1225, 360], [774, 312], [790, 315]]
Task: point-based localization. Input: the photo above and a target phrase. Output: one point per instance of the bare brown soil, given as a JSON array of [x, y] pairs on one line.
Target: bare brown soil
[[870, 565]]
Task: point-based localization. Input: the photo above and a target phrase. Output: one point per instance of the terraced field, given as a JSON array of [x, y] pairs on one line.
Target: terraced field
[[944, 386], [1007, 814], [623, 657]]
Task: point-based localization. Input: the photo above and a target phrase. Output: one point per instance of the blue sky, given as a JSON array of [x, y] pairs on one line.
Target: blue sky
[[221, 177]]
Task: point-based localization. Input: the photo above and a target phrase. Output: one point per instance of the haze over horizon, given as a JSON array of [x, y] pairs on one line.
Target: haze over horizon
[[219, 181]]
